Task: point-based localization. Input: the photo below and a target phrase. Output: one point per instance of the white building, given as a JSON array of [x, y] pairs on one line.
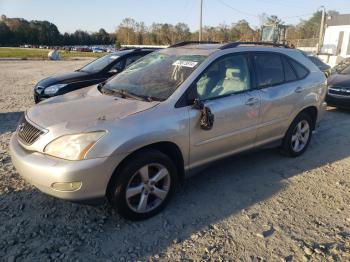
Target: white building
[[336, 41]]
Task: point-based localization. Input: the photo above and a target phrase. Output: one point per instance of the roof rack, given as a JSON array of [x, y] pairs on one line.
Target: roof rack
[[235, 44], [192, 42], [129, 48], [137, 48]]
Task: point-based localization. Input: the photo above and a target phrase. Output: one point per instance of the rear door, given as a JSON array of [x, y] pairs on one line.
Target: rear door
[[226, 87], [280, 91]]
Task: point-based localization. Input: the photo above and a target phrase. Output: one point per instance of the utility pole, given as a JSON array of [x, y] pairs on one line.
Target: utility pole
[[320, 38], [200, 20]]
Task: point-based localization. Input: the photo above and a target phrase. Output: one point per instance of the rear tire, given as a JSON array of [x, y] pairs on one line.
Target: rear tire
[[298, 136], [143, 185]]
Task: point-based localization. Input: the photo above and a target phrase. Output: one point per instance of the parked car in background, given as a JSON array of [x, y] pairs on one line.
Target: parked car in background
[[98, 50], [339, 85], [134, 138], [111, 50], [95, 72]]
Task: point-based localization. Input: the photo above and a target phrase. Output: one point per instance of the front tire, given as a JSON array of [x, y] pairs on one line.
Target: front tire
[[298, 136], [143, 186]]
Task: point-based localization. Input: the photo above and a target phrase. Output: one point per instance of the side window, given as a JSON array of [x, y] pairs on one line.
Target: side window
[[299, 69], [269, 69], [132, 59], [225, 76], [289, 73], [119, 65]]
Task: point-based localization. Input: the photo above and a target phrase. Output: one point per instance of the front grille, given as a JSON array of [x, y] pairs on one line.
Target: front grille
[[339, 91], [28, 133]]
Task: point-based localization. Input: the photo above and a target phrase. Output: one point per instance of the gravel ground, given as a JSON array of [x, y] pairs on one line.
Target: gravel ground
[[253, 207]]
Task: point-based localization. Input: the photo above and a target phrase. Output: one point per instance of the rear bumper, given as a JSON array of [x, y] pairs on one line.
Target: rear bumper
[[43, 171], [338, 101]]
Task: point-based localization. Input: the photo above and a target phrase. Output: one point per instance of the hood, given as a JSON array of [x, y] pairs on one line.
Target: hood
[[84, 108], [339, 80], [63, 78]]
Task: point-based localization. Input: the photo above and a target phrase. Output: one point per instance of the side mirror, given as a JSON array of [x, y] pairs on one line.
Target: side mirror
[[198, 104], [207, 117]]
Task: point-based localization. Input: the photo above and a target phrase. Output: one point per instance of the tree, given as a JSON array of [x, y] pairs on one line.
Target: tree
[[242, 31], [126, 31], [18, 31], [181, 32], [310, 28], [5, 34]]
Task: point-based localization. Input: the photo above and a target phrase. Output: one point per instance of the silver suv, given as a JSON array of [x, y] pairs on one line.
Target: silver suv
[[135, 137]]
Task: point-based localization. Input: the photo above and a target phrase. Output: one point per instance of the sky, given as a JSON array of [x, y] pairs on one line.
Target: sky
[[91, 15]]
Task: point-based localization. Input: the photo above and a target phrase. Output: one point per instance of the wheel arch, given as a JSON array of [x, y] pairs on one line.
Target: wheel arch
[[170, 149], [312, 112]]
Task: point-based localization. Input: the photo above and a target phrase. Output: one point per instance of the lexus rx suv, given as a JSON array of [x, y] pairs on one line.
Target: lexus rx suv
[[132, 139]]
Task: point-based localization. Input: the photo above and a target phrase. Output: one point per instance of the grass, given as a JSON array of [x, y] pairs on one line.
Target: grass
[[28, 53]]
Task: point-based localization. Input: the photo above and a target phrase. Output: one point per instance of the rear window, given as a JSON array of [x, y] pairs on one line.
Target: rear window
[[269, 69], [299, 69]]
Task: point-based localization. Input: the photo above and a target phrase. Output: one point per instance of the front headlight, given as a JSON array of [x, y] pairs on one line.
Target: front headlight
[[73, 147], [51, 90]]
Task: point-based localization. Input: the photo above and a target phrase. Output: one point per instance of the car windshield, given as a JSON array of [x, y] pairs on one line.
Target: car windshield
[[343, 67], [99, 64], [156, 75]]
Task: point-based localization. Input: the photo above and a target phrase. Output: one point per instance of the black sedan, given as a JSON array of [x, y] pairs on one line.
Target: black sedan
[[93, 73], [339, 86]]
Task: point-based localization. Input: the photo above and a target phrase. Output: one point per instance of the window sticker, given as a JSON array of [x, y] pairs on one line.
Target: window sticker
[[114, 56], [185, 63]]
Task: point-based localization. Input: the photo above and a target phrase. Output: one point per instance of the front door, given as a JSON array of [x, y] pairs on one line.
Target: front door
[[225, 87]]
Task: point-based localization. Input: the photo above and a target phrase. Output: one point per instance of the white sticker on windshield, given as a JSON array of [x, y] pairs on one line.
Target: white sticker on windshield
[[114, 56], [185, 63]]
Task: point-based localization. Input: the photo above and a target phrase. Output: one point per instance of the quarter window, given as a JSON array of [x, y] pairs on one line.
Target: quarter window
[[118, 65], [299, 69], [225, 76], [269, 69]]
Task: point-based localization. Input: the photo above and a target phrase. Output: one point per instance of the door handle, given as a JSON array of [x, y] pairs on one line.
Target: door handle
[[298, 89], [252, 101]]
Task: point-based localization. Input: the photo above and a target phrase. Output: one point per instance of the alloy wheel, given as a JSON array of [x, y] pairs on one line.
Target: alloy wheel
[[148, 188], [300, 137]]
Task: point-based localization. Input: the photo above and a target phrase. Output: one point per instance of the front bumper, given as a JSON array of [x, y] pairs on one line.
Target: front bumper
[[43, 171], [338, 101]]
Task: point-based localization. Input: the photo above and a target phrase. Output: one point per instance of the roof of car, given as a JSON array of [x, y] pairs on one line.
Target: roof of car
[[128, 51], [209, 48], [202, 46], [215, 45]]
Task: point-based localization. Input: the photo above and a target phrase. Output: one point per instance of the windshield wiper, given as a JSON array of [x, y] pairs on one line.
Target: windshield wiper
[[125, 94]]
